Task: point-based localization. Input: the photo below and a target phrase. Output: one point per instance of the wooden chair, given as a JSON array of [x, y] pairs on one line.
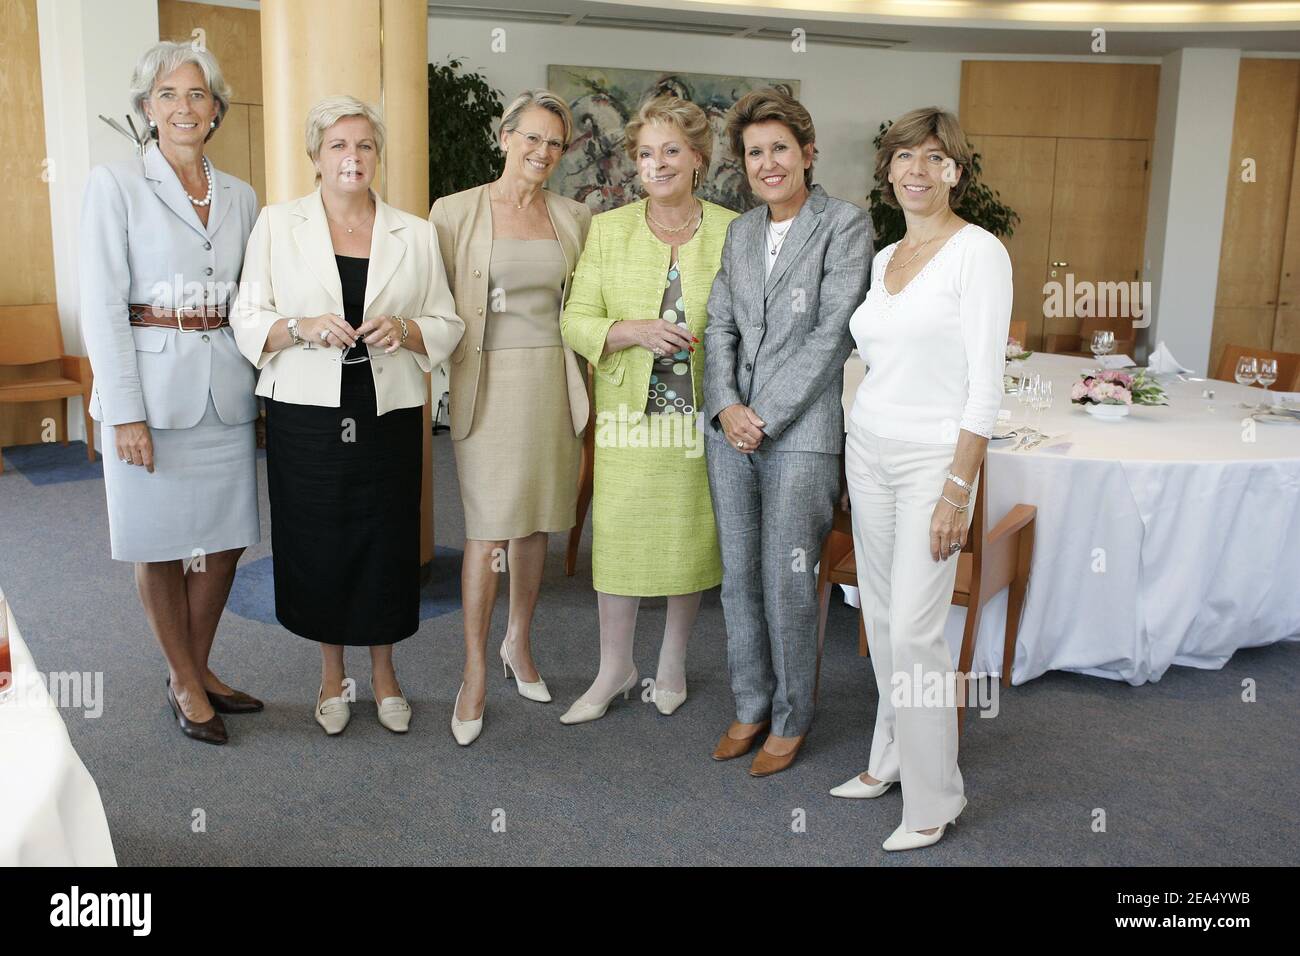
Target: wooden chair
[[991, 560], [1288, 366], [1077, 343], [30, 335], [586, 473]]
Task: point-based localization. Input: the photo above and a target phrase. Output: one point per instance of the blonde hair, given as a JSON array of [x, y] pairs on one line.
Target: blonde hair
[[913, 129], [332, 109], [685, 115], [163, 59], [543, 99], [771, 105]]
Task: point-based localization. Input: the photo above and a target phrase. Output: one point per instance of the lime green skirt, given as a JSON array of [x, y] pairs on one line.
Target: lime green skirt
[[652, 517]]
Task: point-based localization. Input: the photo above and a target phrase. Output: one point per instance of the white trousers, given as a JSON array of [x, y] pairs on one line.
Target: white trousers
[[893, 489]]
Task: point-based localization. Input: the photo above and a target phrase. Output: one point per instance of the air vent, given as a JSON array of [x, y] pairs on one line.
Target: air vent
[[459, 12], [838, 39], [663, 26]]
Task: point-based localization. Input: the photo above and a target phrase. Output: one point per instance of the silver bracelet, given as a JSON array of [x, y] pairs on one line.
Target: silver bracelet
[[960, 482], [954, 504], [293, 332]]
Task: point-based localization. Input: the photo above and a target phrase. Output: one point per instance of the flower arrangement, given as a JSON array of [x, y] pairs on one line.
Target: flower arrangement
[[1016, 351], [1117, 388]]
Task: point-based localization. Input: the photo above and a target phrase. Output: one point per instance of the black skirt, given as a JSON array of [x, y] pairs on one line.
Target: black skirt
[[345, 516]]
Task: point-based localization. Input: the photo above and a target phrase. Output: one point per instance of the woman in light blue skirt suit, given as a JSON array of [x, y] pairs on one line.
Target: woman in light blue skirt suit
[[162, 244]]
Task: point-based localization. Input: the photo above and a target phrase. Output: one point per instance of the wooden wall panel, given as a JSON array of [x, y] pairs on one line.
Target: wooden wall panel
[[229, 149], [1033, 98], [27, 266], [233, 35]]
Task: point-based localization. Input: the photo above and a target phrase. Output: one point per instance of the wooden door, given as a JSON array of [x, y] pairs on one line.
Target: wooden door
[[1099, 222], [1022, 170]]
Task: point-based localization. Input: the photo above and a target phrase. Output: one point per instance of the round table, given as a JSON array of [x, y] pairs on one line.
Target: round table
[[50, 811], [1171, 536]]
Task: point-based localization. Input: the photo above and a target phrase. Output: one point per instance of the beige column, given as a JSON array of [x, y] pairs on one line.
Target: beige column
[[376, 50]]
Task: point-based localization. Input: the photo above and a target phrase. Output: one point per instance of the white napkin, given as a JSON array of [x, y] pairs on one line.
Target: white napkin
[[1114, 361], [1162, 360]]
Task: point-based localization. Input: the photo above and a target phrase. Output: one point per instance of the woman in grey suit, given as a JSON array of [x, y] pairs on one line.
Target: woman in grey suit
[[793, 270], [162, 244]]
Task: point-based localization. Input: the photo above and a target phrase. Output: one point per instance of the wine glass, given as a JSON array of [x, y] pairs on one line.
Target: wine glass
[[1246, 371], [1267, 372], [1099, 344]]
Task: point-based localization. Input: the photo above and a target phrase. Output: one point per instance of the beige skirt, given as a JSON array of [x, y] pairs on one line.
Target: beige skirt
[[518, 466]]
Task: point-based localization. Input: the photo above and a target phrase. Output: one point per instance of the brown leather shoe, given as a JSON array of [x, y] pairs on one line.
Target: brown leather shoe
[[236, 703], [766, 764], [731, 747], [211, 731]]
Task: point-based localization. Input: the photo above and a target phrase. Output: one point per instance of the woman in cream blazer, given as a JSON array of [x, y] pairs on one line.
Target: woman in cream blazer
[[344, 307], [518, 396]]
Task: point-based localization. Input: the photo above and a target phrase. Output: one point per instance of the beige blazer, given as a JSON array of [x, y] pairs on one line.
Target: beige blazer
[[289, 270], [463, 222]]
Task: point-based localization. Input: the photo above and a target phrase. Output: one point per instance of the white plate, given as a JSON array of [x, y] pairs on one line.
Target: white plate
[[1275, 418]]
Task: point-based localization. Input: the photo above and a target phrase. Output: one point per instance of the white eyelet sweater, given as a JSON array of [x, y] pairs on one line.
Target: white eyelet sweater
[[935, 351]]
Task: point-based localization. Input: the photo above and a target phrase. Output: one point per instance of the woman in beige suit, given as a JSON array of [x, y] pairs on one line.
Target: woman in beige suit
[[518, 397], [344, 306]]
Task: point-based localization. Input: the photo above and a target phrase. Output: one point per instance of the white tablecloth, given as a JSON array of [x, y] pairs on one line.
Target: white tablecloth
[[50, 811], [1196, 527]]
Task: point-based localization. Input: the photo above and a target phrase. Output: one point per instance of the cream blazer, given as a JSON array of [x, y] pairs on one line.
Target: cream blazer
[[289, 270], [464, 226]]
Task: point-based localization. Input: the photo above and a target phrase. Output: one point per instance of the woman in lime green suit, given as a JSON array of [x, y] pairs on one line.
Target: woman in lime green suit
[[652, 517]]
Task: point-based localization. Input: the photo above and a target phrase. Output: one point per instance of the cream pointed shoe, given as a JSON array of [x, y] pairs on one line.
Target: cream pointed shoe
[[535, 691], [902, 839], [668, 701], [855, 789], [332, 714], [465, 731], [581, 713], [394, 712]]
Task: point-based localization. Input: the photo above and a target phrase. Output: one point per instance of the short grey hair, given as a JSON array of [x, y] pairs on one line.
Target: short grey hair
[[334, 108], [544, 99], [164, 59]]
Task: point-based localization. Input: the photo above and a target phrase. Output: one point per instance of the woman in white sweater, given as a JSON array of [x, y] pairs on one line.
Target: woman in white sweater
[[932, 331]]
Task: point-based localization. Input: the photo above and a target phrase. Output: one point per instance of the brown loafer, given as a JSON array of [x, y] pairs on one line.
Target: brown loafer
[[766, 764], [731, 747], [236, 703]]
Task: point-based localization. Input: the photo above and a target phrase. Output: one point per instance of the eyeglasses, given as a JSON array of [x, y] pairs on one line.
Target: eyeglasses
[[535, 140]]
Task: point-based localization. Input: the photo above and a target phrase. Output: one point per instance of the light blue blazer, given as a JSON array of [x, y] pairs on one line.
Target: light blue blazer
[[142, 242]]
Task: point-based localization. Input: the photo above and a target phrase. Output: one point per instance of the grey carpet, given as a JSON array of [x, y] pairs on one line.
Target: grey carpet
[[1185, 771]]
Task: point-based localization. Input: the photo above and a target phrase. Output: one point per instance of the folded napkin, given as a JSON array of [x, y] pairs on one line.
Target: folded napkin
[[1162, 360], [1115, 361]]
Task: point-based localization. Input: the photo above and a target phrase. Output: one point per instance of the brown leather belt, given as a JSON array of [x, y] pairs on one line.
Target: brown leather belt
[[203, 319]]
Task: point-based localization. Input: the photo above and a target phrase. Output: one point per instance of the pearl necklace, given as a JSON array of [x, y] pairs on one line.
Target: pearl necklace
[[206, 200]]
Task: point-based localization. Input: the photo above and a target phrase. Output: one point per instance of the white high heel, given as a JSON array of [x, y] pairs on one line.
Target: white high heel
[[465, 731], [855, 789], [333, 714], [535, 691], [581, 713], [668, 701], [902, 839], [394, 712]]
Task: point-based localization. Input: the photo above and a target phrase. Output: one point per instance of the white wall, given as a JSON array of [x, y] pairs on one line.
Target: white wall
[[848, 91], [1189, 187]]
